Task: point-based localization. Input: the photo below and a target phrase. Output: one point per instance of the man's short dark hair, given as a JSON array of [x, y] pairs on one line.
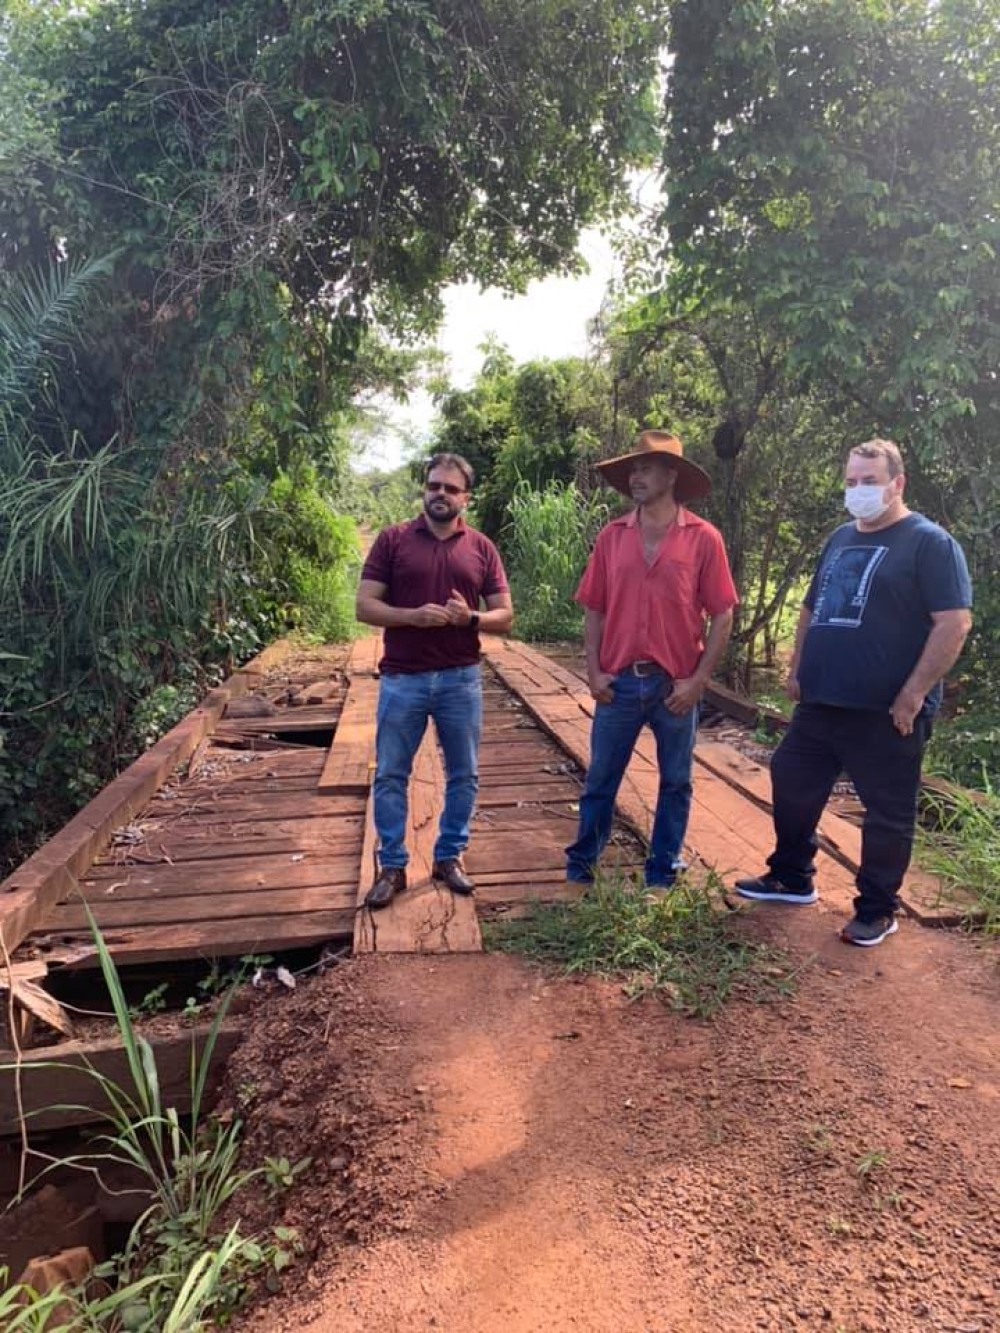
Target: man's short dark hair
[[455, 461]]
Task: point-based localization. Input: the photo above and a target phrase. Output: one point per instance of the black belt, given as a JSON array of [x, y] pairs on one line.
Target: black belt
[[645, 669]]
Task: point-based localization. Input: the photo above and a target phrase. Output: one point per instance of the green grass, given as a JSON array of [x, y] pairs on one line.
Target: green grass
[[683, 946], [962, 846], [179, 1272]]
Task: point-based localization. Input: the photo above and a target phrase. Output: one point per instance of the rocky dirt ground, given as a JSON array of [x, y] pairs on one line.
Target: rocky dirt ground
[[496, 1148]]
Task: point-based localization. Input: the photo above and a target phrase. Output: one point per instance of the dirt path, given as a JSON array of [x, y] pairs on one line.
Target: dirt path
[[495, 1149]]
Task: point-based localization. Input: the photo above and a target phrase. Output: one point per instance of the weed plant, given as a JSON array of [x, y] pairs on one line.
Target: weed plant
[[546, 544], [175, 1271], [679, 945], [961, 845]]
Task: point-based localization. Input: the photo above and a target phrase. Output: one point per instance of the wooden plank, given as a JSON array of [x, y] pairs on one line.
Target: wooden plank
[[201, 939], [305, 835], [350, 761], [316, 692], [187, 909], [301, 720], [231, 875], [196, 811], [53, 1078], [427, 918]]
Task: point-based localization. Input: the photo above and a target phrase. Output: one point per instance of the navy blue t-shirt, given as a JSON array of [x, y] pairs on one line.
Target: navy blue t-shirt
[[871, 600]]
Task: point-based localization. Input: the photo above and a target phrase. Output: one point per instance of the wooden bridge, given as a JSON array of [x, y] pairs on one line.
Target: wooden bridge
[[248, 830]]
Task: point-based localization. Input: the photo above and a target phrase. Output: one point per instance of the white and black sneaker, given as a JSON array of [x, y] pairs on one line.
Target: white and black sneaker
[[869, 933], [768, 889]]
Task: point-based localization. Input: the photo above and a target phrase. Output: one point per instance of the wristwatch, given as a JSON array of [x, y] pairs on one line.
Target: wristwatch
[[474, 620]]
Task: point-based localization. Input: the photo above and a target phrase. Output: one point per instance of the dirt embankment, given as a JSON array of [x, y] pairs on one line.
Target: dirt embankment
[[494, 1149]]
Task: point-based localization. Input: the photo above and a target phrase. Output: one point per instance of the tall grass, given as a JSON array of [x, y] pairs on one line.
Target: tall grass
[[962, 847], [547, 544], [175, 1272]]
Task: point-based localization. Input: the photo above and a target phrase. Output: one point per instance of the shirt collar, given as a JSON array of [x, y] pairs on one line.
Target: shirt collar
[[631, 520], [420, 524]]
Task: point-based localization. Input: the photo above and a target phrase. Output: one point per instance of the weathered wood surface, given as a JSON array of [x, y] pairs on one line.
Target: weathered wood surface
[[427, 918], [350, 761], [27, 894], [55, 1083], [721, 833], [726, 834]]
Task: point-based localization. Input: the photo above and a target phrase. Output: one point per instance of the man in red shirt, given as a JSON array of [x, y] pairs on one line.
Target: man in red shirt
[[422, 583], [651, 580]]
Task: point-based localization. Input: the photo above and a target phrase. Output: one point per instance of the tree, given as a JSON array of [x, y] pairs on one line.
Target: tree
[[833, 171]]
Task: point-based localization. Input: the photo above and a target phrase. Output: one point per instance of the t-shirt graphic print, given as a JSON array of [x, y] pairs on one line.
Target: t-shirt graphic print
[[846, 585]]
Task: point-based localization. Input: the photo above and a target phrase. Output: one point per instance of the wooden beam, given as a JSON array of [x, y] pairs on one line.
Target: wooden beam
[[350, 760], [57, 1092]]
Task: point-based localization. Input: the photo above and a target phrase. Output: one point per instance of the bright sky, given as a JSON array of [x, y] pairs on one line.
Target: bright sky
[[549, 320]]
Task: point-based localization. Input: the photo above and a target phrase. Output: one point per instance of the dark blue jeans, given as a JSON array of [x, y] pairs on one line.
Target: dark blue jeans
[[454, 699], [820, 744], [638, 701]]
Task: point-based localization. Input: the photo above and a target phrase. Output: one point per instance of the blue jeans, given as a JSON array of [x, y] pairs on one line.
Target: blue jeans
[[637, 700], [454, 699]]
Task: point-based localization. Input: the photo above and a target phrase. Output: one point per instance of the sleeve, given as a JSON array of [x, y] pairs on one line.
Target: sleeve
[[495, 576], [592, 591], [716, 589], [943, 573], [379, 560]]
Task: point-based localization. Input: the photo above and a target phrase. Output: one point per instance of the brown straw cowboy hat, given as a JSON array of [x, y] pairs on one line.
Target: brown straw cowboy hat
[[693, 483]]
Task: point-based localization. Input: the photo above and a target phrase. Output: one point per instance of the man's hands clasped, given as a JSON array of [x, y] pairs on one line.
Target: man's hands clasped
[[456, 611]]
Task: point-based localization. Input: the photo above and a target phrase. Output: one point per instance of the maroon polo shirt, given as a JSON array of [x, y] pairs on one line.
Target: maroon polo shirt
[[416, 567]]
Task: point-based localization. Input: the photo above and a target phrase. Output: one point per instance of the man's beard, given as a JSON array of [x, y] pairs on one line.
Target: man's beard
[[441, 509]]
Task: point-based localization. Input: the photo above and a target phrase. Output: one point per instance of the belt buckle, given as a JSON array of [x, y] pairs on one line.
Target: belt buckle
[[643, 669]]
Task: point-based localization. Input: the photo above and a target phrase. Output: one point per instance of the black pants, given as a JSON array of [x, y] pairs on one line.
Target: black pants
[[884, 766]]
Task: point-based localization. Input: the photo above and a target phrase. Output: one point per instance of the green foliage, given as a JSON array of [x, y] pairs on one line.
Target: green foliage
[[536, 423], [175, 1273], [679, 945], [315, 556], [834, 177], [961, 845], [966, 748], [546, 546]]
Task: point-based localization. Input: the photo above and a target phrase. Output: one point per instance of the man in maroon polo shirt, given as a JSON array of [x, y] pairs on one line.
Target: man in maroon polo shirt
[[652, 580], [422, 583]]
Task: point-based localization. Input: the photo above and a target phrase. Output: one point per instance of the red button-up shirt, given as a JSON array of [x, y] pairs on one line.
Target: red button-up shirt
[[657, 612]]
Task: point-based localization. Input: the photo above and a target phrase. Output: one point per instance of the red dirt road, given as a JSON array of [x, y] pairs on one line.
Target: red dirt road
[[497, 1149]]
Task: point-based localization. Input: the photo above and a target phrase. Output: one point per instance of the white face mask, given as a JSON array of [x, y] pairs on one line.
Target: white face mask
[[866, 502]]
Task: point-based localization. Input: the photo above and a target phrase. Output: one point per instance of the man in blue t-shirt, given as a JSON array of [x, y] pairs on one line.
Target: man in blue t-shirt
[[883, 622]]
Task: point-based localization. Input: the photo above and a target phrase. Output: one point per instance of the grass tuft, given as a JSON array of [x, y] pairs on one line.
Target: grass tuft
[[962, 847], [681, 946]]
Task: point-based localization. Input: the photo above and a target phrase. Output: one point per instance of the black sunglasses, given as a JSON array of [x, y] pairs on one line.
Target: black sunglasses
[[445, 486]]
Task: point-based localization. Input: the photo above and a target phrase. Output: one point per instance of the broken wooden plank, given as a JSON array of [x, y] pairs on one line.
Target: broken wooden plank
[[57, 1092], [42, 879], [207, 939]]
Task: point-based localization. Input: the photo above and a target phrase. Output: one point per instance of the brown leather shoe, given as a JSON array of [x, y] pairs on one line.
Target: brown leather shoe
[[390, 881], [450, 872]]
